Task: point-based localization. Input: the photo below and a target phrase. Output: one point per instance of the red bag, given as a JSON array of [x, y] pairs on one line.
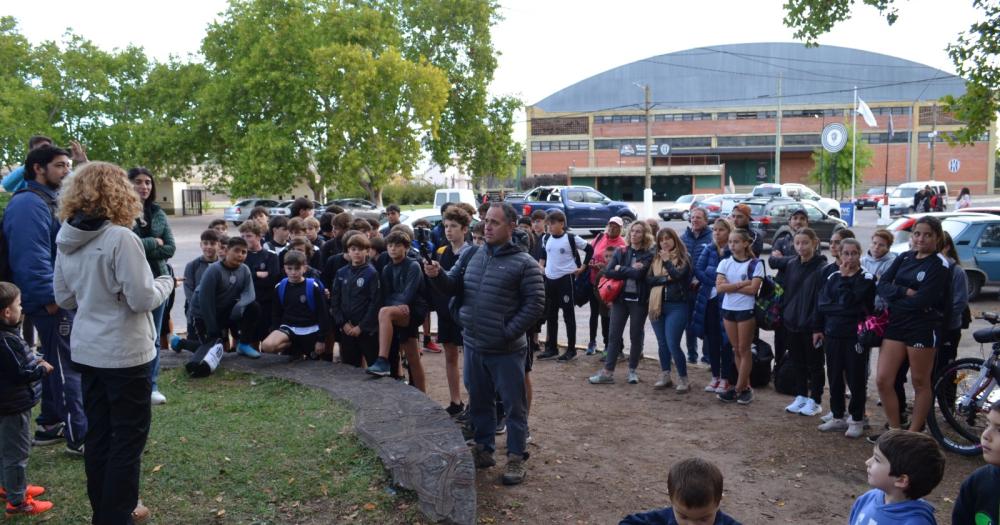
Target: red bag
[[609, 289]]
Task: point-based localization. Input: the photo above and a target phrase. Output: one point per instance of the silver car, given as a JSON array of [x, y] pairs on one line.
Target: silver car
[[240, 212]]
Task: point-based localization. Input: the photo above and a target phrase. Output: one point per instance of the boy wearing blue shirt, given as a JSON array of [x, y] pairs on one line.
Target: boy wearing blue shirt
[[905, 466], [978, 500], [695, 487]]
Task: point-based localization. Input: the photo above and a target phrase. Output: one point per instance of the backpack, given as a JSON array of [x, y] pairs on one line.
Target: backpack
[[311, 286], [767, 305], [6, 273], [784, 376], [760, 371]]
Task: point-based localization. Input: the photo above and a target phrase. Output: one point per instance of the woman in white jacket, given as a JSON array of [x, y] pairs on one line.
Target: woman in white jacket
[[102, 273]]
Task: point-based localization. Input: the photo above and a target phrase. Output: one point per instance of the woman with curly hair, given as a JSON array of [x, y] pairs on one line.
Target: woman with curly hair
[[101, 272]]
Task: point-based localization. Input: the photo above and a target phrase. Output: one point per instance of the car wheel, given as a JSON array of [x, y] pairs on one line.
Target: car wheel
[[975, 284], [834, 213], [237, 223], [686, 216], [627, 219]]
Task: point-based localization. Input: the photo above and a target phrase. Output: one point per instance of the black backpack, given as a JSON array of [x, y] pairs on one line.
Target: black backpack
[[6, 273], [760, 372]]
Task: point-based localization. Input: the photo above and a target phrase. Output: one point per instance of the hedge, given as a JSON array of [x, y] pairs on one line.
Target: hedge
[[408, 194]]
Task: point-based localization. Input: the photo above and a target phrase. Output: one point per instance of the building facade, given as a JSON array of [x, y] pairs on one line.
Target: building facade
[[716, 113]]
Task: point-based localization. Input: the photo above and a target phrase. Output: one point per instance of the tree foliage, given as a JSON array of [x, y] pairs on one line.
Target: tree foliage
[[836, 167], [975, 53]]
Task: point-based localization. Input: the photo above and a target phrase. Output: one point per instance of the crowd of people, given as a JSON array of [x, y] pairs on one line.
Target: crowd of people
[[91, 272]]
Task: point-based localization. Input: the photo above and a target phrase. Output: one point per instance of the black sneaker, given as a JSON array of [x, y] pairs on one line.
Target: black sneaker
[[729, 396], [501, 425], [482, 458], [567, 357], [745, 397], [49, 436], [454, 410], [74, 450], [547, 354]]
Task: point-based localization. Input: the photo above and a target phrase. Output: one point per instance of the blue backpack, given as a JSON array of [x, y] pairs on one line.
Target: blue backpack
[[311, 286]]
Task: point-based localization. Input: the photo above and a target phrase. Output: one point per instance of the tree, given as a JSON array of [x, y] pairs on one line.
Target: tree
[[974, 53], [837, 166]]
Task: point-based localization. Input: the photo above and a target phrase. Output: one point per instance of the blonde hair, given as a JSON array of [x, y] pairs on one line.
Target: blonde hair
[[100, 189], [647, 237]]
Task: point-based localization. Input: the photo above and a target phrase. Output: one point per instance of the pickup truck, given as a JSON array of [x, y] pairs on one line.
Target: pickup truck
[[585, 207]]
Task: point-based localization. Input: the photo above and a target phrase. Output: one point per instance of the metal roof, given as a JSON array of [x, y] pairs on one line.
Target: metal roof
[[746, 75]]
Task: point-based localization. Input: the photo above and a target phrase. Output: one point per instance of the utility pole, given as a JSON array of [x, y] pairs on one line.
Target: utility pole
[[777, 139], [647, 194], [933, 137]]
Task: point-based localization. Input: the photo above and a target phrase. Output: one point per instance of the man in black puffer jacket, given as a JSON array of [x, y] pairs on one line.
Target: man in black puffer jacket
[[503, 296]]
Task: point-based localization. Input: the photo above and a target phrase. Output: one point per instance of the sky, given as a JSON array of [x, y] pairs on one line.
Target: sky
[[544, 45]]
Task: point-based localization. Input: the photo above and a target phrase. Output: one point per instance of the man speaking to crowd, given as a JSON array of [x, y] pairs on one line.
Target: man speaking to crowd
[[502, 295]]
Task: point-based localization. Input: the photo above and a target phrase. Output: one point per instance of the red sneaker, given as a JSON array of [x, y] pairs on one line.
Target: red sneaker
[[33, 491], [30, 507], [432, 347]]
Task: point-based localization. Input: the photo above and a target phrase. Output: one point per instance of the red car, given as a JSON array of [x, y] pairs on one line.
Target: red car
[[872, 197]]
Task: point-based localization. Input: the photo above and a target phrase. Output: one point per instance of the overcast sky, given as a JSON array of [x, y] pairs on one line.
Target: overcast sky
[[545, 45]]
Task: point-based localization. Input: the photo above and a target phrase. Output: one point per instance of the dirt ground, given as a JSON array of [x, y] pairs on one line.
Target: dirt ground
[[601, 452]]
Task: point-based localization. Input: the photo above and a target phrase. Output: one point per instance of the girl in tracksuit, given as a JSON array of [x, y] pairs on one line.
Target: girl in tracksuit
[[803, 277], [847, 296], [916, 288], [707, 322]]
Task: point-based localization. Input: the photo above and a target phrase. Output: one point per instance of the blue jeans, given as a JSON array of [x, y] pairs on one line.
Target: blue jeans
[[157, 323], [690, 339], [720, 356], [668, 329], [62, 398], [486, 376], [15, 446]]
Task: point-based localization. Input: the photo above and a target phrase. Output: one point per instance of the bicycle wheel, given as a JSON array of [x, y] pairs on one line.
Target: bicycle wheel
[[959, 429]]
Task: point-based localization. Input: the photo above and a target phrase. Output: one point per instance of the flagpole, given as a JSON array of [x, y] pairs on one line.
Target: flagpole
[[884, 219], [854, 143]]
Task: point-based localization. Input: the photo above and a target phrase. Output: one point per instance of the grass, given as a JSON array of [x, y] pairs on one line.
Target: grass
[[237, 448]]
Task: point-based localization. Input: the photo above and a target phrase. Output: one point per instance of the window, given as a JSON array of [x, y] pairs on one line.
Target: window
[[560, 126], [675, 117], [575, 195], [813, 213], [810, 139], [594, 197], [746, 140], [560, 145], [990, 237]]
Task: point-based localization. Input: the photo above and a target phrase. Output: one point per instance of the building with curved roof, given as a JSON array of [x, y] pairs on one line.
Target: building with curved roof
[[716, 112]]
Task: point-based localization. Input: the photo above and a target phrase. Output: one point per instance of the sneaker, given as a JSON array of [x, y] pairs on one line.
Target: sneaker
[[141, 514], [74, 450], [602, 378], [723, 387], [827, 417], [692, 360], [247, 351], [729, 396], [745, 397], [704, 361], [711, 387], [30, 507], [156, 398], [501, 425], [592, 348], [527, 438], [32, 491], [547, 354], [665, 381], [622, 356], [633, 377], [455, 409], [432, 347], [463, 416], [514, 473], [833, 425], [811, 408], [602, 355], [50, 435], [380, 368], [855, 429], [175, 343], [567, 357], [468, 433], [482, 458], [682, 385], [800, 401], [873, 438]]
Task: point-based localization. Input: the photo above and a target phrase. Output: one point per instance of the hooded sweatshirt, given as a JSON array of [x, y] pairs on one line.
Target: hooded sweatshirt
[[871, 509], [101, 272], [803, 282]]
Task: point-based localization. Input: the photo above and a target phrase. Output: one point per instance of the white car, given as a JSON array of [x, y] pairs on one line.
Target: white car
[[901, 198], [676, 209], [798, 192], [283, 209], [431, 215], [240, 212]]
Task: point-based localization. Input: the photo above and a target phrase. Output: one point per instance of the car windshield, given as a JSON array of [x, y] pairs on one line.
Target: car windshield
[[685, 198], [877, 190], [767, 191], [756, 209], [954, 227], [904, 192]]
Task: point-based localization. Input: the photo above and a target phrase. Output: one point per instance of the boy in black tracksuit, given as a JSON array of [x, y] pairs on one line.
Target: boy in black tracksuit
[[847, 296], [266, 273], [299, 317], [354, 304]]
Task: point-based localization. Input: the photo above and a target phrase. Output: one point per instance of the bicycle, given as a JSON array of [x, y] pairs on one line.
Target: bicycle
[[964, 393]]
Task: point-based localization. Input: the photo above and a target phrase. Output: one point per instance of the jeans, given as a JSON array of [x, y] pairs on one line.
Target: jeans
[[668, 329], [807, 361], [15, 446], [842, 359], [157, 323], [118, 408], [486, 377], [599, 314], [720, 356], [691, 340], [559, 296], [621, 311], [62, 400]]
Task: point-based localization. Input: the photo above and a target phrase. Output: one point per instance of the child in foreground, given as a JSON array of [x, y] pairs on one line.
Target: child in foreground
[[21, 372], [298, 320], [905, 466], [978, 500], [695, 487]]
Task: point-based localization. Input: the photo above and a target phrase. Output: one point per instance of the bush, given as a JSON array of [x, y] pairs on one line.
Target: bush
[[408, 194], [5, 199]]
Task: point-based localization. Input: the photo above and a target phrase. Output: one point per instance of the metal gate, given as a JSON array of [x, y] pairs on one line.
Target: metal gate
[[191, 202]]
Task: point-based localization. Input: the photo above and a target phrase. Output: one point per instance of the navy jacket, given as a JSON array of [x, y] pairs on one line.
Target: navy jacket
[[30, 229], [20, 373], [666, 517], [696, 243], [844, 301], [355, 297], [705, 270]]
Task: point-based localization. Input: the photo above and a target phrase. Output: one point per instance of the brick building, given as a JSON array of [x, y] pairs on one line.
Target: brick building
[[715, 116]]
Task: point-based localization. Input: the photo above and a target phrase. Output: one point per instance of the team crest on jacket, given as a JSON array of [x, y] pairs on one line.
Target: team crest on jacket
[[921, 275], [302, 299], [361, 282]]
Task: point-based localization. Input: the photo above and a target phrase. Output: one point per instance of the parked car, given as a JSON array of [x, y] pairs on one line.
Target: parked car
[[771, 214], [432, 215], [676, 209], [729, 201], [444, 195], [585, 207], [977, 240], [285, 208], [903, 225], [698, 202], [872, 196], [901, 199], [240, 212], [798, 192], [359, 208]]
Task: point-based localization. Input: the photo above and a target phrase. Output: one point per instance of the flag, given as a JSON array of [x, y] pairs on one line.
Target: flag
[[732, 187], [866, 112], [891, 130]]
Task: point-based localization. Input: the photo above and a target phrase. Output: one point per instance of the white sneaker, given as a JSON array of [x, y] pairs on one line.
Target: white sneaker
[[633, 377], [723, 387], [156, 398], [796, 405], [855, 429], [833, 425], [811, 408], [665, 381], [682, 385], [711, 387], [827, 417]]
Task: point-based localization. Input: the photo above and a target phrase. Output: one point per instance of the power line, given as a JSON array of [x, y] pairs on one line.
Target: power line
[[816, 61]]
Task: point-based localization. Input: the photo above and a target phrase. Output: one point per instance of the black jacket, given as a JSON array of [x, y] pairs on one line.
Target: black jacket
[[503, 296], [930, 277], [403, 283], [625, 257], [802, 285], [845, 301], [294, 309], [20, 373], [782, 242], [264, 261], [355, 297], [678, 288]]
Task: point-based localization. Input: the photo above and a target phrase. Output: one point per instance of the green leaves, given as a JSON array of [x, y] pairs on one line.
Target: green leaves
[[837, 166]]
